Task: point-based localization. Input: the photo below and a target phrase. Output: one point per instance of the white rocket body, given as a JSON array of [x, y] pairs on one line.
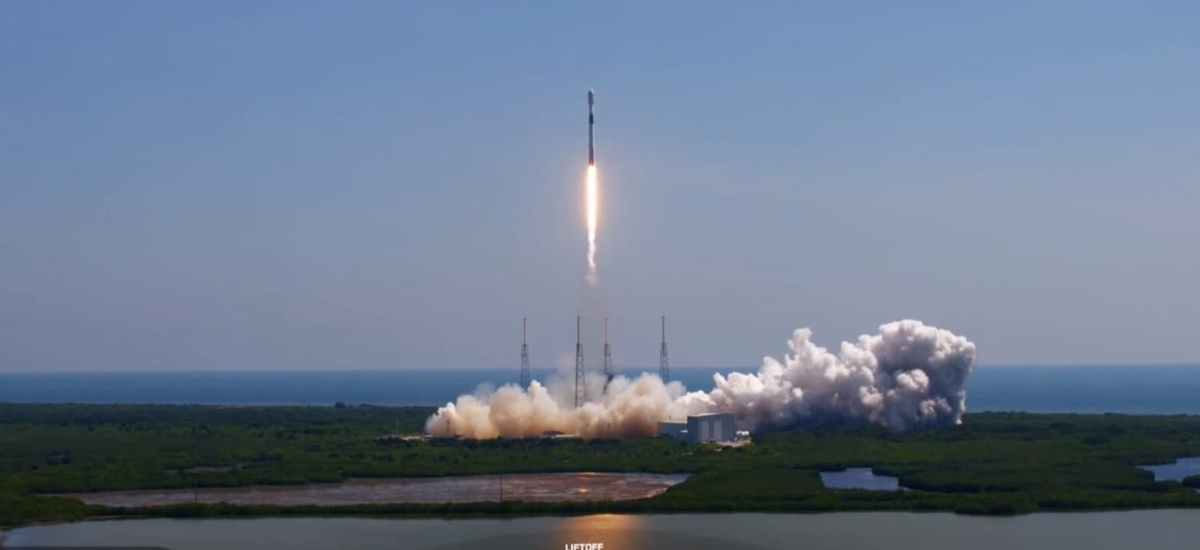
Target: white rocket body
[[591, 129]]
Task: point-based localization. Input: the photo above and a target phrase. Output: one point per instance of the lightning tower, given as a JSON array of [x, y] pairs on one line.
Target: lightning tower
[[608, 366], [664, 369], [526, 378], [580, 383]]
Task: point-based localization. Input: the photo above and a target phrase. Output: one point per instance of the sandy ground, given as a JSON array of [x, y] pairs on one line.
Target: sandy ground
[[526, 487]]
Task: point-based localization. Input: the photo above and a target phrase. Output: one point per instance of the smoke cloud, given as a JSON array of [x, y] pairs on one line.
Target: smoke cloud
[[907, 376]]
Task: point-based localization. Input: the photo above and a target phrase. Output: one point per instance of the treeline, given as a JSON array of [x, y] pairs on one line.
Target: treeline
[[994, 463], [17, 508]]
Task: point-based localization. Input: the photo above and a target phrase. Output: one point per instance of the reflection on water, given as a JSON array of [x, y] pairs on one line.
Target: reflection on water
[[606, 539], [859, 478], [1144, 530], [617, 532]]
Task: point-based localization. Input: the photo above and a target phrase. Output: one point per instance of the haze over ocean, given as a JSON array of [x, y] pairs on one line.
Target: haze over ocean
[[1133, 389]]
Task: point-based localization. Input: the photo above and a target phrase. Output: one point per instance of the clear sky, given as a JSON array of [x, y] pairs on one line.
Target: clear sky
[[297, 184]]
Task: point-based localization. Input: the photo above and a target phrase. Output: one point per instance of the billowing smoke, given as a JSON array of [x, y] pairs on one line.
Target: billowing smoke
[[909, 375], [906, 376]]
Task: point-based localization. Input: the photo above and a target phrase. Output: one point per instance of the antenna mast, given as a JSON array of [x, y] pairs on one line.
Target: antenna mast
[[526, 378]]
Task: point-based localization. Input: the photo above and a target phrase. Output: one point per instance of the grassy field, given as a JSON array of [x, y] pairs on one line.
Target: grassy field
[[995, 463]]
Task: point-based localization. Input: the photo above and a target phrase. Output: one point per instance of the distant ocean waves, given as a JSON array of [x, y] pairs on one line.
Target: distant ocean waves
[[1153, 389]]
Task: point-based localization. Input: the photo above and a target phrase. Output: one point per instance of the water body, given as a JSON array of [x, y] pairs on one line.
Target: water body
[[1145, 530], [567, 487], [1134, 389], [1176, 471], [859, 478], [1129, 389]]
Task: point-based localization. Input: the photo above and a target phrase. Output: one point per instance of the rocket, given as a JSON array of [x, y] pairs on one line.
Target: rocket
[[591, 129]]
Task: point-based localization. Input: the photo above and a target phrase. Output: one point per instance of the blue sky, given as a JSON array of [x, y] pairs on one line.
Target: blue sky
[[392, 185]]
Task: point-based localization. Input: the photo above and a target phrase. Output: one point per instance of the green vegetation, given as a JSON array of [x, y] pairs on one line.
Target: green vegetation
[[995, 463], [1192, 481]]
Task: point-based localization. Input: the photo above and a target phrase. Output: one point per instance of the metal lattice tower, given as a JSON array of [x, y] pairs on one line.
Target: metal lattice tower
[[580, 383], [526, 378], [664, 368], [608, 366]]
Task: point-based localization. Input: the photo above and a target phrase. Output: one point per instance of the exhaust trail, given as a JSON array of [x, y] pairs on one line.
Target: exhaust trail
[[593, 276], [592, 193]]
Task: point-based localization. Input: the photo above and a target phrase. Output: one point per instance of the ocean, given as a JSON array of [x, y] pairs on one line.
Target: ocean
[[1131, 389]]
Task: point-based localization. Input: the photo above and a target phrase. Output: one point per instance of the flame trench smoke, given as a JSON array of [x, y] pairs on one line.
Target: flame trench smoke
[[592, 218], [909, 375]]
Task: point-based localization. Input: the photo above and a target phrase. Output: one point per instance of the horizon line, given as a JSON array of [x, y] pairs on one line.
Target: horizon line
[[638, 369]]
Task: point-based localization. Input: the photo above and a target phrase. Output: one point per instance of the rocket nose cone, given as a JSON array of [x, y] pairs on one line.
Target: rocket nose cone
[[591, 97]]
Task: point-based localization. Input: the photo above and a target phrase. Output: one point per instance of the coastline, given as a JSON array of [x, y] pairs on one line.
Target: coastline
[[526, 509]]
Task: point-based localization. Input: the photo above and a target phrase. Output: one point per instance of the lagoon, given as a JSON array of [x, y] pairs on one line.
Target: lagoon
[[1175, 471], [859, 478]]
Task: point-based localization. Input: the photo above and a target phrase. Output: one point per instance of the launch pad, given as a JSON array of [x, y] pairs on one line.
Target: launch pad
[[609, 369]]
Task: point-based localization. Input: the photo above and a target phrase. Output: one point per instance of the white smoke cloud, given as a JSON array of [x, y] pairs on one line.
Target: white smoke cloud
[[909, 375], [629, 408]]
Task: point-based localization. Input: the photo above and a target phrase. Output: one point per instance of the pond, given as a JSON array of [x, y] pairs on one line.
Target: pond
[[859, 478], [1175, 471]]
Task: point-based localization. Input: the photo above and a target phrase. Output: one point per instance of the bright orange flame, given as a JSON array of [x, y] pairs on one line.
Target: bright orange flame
[[592, 219]]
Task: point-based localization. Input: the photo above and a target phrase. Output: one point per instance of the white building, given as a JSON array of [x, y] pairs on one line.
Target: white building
[[701, 428], [705, 428]]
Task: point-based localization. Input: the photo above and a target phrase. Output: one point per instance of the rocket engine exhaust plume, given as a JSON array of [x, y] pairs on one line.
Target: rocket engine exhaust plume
[[907, 376], [593, 277]]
